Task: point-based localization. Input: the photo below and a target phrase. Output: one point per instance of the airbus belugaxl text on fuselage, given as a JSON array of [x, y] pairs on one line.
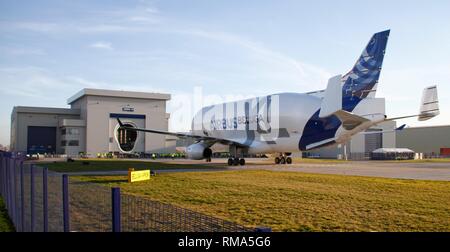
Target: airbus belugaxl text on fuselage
[[289, 122]]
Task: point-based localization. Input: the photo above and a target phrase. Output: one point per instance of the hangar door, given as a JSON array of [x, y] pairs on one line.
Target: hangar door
[[124, 140], [41, 140], [373, 141]]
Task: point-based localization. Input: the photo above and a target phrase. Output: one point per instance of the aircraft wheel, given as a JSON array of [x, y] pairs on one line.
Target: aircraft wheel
[[289, 160], [277, 160], [282, 160], [230, 161], [242, 161], [236, 161]]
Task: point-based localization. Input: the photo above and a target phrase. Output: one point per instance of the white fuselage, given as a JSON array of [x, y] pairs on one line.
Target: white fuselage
[[277, 123]]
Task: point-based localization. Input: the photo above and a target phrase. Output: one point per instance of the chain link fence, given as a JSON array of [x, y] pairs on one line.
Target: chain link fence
[[141, 214], [39, 200]]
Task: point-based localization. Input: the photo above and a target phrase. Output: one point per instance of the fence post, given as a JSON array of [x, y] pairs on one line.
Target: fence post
[[263, 229], [32, 196], [15, 215], [22, 198], [2, 179], [65, 191], [115, 203], [1, 173], [44, 197], [8, 200]]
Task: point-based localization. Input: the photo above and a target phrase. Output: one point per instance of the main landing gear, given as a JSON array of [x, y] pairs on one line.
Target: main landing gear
[[236, 161], [283, 159], [235, 154]]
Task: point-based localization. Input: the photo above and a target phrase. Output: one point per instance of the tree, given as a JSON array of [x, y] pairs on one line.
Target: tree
[[4, 148]]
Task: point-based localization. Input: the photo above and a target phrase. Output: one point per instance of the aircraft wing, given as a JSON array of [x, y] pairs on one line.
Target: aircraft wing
[[183, 135], [429, 106]]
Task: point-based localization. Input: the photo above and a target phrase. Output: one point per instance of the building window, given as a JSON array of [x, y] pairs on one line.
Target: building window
[[63, 143], [63, 131], [73, 143], [74, 132]]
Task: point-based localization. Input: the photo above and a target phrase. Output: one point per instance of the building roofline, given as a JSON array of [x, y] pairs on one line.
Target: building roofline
[[420, 127], [117, 93], [45, 110]]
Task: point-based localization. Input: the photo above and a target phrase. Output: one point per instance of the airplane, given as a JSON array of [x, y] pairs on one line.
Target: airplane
[[290, 122]]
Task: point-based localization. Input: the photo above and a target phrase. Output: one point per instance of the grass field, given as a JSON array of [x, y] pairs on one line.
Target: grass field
[[122, 165], [5, 222], [290, 201]]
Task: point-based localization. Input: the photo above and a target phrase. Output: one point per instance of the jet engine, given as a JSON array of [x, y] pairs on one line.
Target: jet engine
[[198, 151]]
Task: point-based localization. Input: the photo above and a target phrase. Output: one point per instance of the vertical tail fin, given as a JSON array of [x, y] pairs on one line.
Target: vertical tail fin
[[332, 100], [362, 80]]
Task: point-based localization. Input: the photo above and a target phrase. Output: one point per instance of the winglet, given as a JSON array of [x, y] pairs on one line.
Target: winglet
[[429, 107], [120, 122], [401, 127]]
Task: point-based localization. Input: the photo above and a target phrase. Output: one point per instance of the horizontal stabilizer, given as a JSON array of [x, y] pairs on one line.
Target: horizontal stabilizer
[[349, 120], [429, 107], [332, 100]]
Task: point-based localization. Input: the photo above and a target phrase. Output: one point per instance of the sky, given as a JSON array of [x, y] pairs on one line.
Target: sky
[[226, 50]]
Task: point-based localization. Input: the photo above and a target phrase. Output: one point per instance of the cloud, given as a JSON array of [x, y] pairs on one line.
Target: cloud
[[275, 65], [33, 26], [35, 86], [102, 45], [306, 74], [16, 51], [151, 10], [144, 19], [35, 83]]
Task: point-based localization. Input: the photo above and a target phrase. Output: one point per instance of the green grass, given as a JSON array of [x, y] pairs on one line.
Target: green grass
[[5, 222], [121, 165], [290, 201]]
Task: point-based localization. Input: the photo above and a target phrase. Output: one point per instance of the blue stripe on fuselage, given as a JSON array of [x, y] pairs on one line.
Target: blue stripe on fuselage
[[318, 129], [358, 83]]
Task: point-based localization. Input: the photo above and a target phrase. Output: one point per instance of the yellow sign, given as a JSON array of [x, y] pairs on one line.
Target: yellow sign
[[134, 176]]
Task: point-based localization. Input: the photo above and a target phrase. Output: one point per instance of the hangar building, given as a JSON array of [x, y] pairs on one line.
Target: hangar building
[[429, 140], [89, 126]]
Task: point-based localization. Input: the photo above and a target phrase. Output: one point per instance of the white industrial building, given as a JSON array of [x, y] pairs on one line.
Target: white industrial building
[[90, 125], [430, 140]]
